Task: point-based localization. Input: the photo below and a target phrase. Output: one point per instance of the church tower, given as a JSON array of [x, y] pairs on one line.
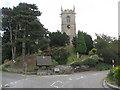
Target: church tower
[[68, 24]]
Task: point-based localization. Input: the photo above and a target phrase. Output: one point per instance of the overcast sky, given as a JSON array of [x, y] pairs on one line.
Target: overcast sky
[[92, 16]]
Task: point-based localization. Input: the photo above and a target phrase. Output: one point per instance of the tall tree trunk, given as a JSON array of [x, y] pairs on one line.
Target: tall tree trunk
[[14, 48], [11, 40], [23, 49], [28, 51]]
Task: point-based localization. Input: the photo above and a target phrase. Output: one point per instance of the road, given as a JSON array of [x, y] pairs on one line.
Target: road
[[90, 79]]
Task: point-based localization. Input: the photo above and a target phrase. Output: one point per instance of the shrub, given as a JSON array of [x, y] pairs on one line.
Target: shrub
[[117, 62], [116, 72], [103, 66], [114, 76], [91, 53], [60, 55], [94, 50], [90, 62], [110, 77], [6, 61], [35, 68], [78, 63], [7, 64], [95, 57], [54, 63]]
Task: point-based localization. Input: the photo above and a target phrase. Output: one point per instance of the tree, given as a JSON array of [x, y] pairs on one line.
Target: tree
[[107, 47], [74, 42], [81, 46], [9, 25], [60, 54], [26, 14], [59, 39], [24, 29], [88, 41]]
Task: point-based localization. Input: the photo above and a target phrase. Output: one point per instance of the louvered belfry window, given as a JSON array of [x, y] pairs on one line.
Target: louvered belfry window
[[68, 19]]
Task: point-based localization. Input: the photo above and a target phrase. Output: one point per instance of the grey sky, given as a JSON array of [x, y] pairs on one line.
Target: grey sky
[[92, 16]]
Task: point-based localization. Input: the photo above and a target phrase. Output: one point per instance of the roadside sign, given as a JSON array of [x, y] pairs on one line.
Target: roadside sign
[[113, 63], [56, 69]]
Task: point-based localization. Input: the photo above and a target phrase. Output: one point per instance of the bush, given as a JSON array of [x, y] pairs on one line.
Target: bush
[[117, 62], [103, 66], [54, 63], [95, 57], [78, 63], [91, 53], [7, 63], [90, 62], [94, 50], [60, 55], [110, 77], [35, 68], [116, 75], [7, 66]]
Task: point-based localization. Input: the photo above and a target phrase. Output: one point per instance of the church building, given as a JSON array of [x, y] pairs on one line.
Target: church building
[[68, 24]]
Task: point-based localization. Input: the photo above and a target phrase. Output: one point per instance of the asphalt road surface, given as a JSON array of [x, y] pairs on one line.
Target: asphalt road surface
[[90, 79]]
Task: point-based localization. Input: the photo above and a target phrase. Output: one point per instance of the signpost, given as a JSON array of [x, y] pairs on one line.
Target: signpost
[[77, 55], [113, 63], [56, 69], [43, 61]]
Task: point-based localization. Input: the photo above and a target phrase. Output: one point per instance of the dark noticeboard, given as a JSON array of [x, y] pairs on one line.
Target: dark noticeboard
[[44, 61]]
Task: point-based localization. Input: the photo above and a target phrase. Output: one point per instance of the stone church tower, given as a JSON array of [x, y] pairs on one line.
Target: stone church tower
[[68, 24]]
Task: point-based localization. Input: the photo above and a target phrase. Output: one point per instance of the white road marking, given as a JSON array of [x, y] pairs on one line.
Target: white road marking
[[15, 82], [6, 85], [70, 78], [56, 82], [81, 77], [56, 86], [1, 87], [53, 84]]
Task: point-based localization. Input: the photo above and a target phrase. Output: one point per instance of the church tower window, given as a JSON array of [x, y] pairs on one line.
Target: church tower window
[[68, 19]]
